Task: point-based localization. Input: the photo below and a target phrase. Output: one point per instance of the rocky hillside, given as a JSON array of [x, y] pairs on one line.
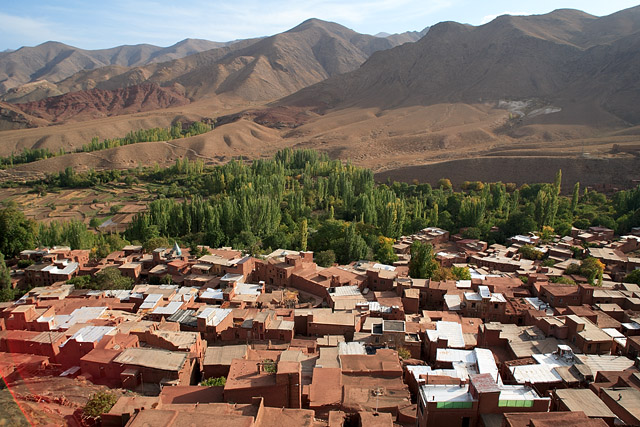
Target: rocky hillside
[[97, 103], [567, 62]]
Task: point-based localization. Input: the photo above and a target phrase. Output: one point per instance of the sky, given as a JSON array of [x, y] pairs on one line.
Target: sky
[[97, 24]]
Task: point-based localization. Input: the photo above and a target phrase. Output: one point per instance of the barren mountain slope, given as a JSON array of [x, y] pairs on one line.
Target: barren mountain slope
[[254, 70], [96, 103], [521, 59], [248, 70], [53, 61]]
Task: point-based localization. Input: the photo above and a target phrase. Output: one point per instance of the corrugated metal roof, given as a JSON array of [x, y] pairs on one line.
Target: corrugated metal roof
[[453, 355], [183, 316], [150, 301], [90, 334], [484, 291], [351, 348], [487, 363], [212, 294], [248, 289], [452, 302], [472, 296], [344, 291], [214, 315], [451, 331], [169, 309], [79, 315]]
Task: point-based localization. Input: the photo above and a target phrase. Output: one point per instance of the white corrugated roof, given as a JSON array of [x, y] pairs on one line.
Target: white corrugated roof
[[169, 309], [150, 301], [497, 297], [384, 267], [344, 291], [452, 302], [79, 315], [484, 291], [212, 294], [535, 374], [486, 362], [454, 355], [90, 334], [451, 331], [214, 315], [472, 296], [248, 289], [351, 348]]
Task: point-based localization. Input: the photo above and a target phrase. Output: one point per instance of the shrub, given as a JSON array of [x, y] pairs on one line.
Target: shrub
[[100, 403], [214, 382], [403, 353], [24, 263], [269, 366]]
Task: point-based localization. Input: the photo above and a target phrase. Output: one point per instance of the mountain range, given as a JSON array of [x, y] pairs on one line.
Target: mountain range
[[520, 86]]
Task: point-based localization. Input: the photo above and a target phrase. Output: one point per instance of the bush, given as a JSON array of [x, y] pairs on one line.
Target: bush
[[325, 258], [530, 252], [24, 263], [548, 263], [214, 382], [633, 277], [563, 280], [403, 353], [269, 366], [100, 403]]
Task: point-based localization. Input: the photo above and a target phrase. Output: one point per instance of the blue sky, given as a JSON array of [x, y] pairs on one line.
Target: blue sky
[[95, 24]]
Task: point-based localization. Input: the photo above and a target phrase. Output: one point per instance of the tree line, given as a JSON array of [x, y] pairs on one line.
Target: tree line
[[301, 199], [176, 131]]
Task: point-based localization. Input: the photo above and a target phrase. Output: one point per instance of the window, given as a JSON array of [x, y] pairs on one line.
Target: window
[[455, 405], [473, 305], [515, 404], [495, 305]]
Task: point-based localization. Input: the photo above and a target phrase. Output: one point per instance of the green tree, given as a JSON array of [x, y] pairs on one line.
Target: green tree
[[304, 235], [633, 277], [155, 243], [445, 184], [325, 258], [385, 253], [5, 274], [17, 233], [422, 264], [530, 252], [592, 269], [575, 197], [461, 273], [111, 278]]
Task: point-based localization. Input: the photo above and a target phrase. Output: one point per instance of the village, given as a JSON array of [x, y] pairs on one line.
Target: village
[[519, 343]]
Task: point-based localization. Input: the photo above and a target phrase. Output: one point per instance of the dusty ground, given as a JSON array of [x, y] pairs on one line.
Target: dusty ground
[[387, 141], [46, 400]]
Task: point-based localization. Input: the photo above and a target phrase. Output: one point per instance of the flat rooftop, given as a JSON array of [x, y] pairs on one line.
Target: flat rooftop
[[154, 358]]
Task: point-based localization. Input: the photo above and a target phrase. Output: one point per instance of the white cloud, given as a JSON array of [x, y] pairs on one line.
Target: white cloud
[[490, 18], [28, 30]]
